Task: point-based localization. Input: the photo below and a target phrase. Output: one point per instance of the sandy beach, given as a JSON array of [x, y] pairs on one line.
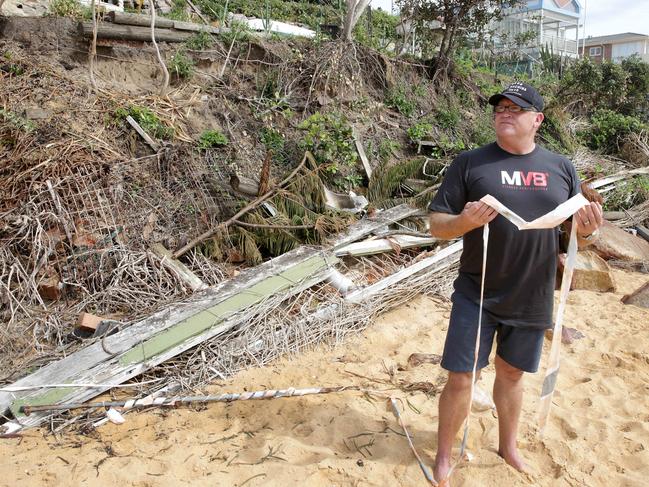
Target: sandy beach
[[598, 434]]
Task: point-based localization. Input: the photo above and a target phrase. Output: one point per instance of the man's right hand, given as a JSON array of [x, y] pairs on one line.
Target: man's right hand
[[474, 215], [477, 214]]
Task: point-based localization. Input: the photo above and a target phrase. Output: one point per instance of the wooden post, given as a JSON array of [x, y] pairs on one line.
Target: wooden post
[[141, 20], [132, 33], [361, 153]]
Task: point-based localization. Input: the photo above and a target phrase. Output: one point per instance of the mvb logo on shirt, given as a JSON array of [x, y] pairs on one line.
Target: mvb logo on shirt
[[531, 180]]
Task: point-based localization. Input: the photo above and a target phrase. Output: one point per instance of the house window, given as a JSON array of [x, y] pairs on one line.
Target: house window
[[595, 51]]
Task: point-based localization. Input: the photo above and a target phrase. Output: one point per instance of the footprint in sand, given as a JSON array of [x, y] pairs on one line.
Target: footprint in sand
[[303, 430], [584, 403], [567, 430]]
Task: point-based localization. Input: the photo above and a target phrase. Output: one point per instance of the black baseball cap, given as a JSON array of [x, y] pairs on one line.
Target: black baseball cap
[[522, 94]]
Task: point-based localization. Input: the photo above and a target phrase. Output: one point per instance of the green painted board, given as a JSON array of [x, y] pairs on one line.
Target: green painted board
[[202, 321]]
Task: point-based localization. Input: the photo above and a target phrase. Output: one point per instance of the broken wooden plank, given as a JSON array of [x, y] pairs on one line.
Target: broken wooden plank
[[139, 19], [425, 143], [441, 259], [178, 268], [161, 336], [152, 143], [598, 183], [132, 33], [361, 152], [369, 247], [368, 225]]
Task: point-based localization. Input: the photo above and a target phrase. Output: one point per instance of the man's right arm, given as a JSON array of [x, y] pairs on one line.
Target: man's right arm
[[475, 214]]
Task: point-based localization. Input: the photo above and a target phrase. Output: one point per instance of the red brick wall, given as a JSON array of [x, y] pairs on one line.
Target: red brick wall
[[607, 50]]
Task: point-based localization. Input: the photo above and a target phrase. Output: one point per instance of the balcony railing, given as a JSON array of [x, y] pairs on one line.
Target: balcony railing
[[559, 44]]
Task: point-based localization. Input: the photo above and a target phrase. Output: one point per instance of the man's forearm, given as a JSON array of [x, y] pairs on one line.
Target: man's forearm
[[447, 227]]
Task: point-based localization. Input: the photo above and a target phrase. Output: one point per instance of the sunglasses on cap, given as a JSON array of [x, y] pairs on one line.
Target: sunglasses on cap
[[513, 109]]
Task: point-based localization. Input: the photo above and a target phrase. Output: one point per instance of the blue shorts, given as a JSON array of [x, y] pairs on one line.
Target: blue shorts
[[520, 347]]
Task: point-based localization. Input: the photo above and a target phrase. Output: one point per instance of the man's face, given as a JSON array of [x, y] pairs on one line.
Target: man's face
[[521, 124]]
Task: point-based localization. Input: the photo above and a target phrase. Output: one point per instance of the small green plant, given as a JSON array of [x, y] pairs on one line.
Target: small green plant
[[420, 130], [275, 143], [352, 181], [239, 32], [199, 41], [447, 118], [451, 146], [66, 8], [148, 120], [181, 65], [359, 104], [387, 148], [212, 138], [16, 70], [16, 121], [272, 139], [178, 11], [419, 90], [400, 101], [329, 137], [12, 68]]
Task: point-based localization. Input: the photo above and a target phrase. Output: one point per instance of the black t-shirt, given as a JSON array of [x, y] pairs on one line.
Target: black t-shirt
[[521, 264]]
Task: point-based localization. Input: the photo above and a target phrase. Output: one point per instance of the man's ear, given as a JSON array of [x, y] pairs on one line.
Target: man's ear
[[539, 118]]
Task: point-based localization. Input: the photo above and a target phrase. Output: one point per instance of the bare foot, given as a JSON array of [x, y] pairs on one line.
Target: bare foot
[[514, 459], [440, 471]]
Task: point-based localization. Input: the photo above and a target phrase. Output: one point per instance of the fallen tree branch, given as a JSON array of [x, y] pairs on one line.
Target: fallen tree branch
[[254, 204]]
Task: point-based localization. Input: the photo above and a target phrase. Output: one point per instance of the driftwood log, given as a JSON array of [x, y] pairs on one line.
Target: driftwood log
[[124, 18], [132, 33]]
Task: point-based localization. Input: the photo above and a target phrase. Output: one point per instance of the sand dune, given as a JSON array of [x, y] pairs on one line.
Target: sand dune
[[598, 434]]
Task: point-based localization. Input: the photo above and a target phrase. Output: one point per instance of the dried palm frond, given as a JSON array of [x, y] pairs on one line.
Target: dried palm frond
[[387, 179]]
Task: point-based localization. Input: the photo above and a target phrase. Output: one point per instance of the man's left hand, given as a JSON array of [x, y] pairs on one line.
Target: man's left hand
[[589, 219]]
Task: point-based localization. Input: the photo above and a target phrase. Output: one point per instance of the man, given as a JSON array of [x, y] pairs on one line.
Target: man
[[521, 265]]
